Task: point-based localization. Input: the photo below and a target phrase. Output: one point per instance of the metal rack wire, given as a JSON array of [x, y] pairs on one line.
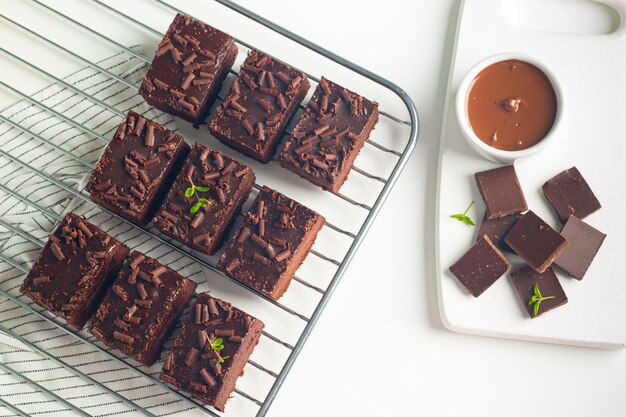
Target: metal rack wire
[[341, 264]]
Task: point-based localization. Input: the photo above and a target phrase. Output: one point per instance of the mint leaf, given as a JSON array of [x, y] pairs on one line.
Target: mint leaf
[[190, 191], [463, 217], [194, 209], [468, 221], [536, 291], [536, 308], [202, 188]]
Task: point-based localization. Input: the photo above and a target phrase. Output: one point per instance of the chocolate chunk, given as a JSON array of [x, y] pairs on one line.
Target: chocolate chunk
[[497, 229], [263, 84], [139, 177], [501, 192], [205, 229], [206, 369], [569, 194], [244, 258], [535, 241], [73, 285], [480, 266], [322, 134], [547, 284], [584, 241], [150, 315], [188, 86]]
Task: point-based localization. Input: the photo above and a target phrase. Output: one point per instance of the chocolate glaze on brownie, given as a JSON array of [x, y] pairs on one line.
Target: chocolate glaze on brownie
[[197, 364], [229, 182], [262, 100], [189, 67], [141, 308], [329, 135], [271, 243], [136, 168], [74, 269]]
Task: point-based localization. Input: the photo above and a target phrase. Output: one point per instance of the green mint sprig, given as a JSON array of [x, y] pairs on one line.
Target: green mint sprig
[[536, 299], [201, 202], [463, 217], [217, 345]]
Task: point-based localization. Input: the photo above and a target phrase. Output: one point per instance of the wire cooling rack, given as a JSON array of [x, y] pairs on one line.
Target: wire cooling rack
[[303, 314]]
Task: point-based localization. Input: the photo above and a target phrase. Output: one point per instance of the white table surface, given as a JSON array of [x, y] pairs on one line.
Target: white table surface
[[422, 369]]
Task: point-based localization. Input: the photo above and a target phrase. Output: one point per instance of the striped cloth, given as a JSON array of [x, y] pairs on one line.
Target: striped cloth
[[35, 223]]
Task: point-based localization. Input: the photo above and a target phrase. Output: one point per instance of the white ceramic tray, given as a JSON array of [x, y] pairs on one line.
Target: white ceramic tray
[[591, 70]]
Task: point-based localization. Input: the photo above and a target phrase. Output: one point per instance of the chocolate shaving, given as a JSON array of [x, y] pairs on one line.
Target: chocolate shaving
[[132, 277], [213, 307], [258, 240], [101, 186], [262, 259], [161, 84], [122, 337], [152, 161], [235, 339], [121, 324], [176, 55], [197, 219], [120, 292], [205, 313], [261, 227], [198, 314], [224, 332], [260, 132], [243, 234], [150, 135], [84, 280], [130, 311], [142, 291], [283, 77], [163, 49], [248, 126], [220, 195], [191, 356], [158, 271], [190, 58], [56, 249], [143, 303], [169, 360], [138, 260], [206, 377], [271, 251], [187, 81], [282, 256], [232, 265], [241, 172], [282, 102], [82, 226], [98, 333], [203, 338], [41, 279], [185, 104]]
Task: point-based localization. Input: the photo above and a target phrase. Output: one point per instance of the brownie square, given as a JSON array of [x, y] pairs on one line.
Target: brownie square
[[74, 269], [329, 135], [141, 308], [188, 69], [569, 194], [207, 194], [271, 243], [535, 241], [501, 191], [547, 295], [262, 100], [211, 350], [480, 266], [136, 169], [584, 241], [497, 229]]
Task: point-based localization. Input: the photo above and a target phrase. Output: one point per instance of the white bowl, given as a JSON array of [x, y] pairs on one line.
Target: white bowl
[[489, 152]]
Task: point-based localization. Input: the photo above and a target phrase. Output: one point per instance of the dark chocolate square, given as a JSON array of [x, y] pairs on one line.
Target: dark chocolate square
[[548, 285], [188, 69], [74, 269], [584, 241], [136, 168], [480, 266], [535, 241], [222, 182], [501, 192], [194, 365], [263, 98], [329, 135], [497, 229], [141, 308], [271, 243], [569, 194]]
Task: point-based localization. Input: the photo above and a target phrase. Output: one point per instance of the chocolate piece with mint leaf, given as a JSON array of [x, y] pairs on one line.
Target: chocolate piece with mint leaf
[[539, 292], [211, 351], [206, 196]]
